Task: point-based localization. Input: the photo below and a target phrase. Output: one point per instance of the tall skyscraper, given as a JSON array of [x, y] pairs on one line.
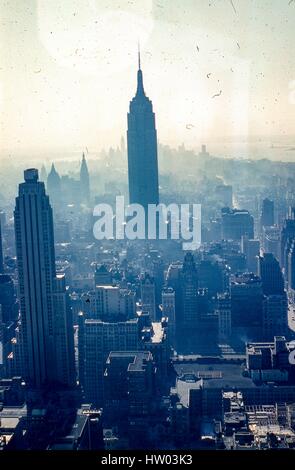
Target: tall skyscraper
[[54, 185], [36, 277], [189, 292], [142, 148], [267, 213], [168, 310], [250, 248], [148, 296], [84, 181]]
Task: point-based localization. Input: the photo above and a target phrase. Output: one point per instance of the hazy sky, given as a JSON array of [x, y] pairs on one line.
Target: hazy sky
[[68, 70]]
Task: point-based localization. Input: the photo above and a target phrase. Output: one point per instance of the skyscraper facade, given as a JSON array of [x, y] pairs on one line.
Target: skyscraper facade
[[271, 275], [235, 223], [250, 248], [168, 310], [96, 340], [36, 271], [148, 297], [267, 213], [189, 292], [36, 278], [287, 235], [223, 311], [275, 316], [64, 333], [142, 148]]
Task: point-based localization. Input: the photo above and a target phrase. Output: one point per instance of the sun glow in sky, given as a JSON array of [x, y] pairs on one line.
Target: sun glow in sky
[[68, 70]]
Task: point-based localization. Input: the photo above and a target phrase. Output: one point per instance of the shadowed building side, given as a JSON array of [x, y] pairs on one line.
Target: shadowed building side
[[142, 148]]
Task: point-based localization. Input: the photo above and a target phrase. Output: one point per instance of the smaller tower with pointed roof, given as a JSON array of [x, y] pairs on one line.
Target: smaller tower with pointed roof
[[84, 181]]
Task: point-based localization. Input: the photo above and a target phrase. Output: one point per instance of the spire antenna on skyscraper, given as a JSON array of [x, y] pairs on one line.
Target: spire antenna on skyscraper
[[140, 89], [139, 64]]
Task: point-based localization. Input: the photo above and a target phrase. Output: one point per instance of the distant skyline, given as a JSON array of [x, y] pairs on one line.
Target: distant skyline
[[214, 70]]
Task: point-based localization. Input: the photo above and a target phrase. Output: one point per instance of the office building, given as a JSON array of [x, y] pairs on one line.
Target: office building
[[148, 296], [267, 218], [250, 248], [110, 303], [223, 311], [64, 333], [36, 277], [271, 275], [271, 240], [235, 223], [168, 310], [142, 148], [212, 276], [246, 300], [189, 293], [96, 340], [129, 386], [275, 316], [102, 277]]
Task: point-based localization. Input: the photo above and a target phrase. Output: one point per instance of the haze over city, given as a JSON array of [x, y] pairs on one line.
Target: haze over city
[[218, 71]]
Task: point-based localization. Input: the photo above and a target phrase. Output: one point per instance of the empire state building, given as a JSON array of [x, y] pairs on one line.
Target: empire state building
[[142, 148]]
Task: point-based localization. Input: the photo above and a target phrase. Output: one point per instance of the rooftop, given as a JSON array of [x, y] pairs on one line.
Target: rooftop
[[138, 359], [222, 376]]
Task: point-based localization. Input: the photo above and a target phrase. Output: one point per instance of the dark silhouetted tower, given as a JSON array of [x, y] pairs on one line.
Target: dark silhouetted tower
[[142, 148], [271, 275], [267, 213], [42, 324], [189, 291]]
